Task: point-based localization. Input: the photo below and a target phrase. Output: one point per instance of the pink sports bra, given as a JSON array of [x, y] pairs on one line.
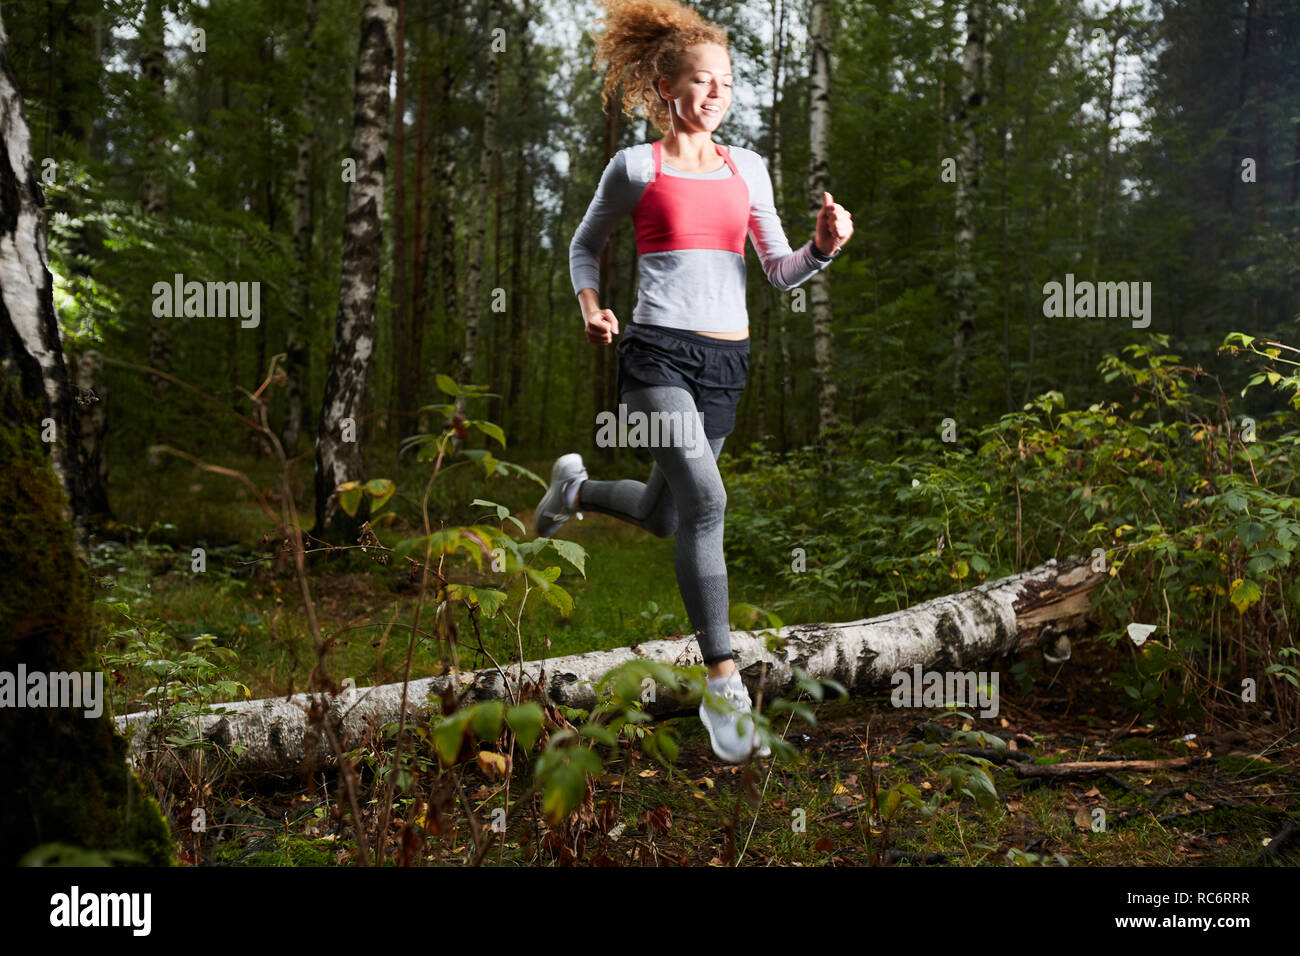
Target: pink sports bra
[[675, 212]]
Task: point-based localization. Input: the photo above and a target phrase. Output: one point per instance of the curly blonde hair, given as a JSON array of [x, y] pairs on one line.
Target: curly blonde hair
[[644, 40]]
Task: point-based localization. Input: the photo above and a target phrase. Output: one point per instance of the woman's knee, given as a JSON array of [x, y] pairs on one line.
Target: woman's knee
[[708, 501]]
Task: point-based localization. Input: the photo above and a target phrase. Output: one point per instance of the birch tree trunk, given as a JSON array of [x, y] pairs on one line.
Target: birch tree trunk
[[297, 361], [65, 774], [338, 457], [33, 347], [478, 233], [819, 182], [401, 319], [972, 98], [954, 632]]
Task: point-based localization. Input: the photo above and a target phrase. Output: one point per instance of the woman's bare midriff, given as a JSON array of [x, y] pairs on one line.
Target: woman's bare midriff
[[730, 336]]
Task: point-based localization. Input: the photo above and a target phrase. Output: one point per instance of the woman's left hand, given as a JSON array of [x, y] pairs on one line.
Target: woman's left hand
[[834, 226]]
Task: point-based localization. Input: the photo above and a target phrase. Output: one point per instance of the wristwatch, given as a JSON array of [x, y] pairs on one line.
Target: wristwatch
[[817, 253]]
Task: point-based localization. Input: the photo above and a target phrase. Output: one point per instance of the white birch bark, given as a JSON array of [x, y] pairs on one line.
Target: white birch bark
[[27, 317], [339, 460], [954, 632], [819, 292]]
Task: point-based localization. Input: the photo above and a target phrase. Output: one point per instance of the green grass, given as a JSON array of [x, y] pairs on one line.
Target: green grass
[[628, 595]]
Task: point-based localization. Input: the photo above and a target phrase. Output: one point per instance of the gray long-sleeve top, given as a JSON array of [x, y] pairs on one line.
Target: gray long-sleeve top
[[702, 290]]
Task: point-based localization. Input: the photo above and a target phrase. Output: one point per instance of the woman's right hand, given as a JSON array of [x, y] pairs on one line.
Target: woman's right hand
[[602, 326]]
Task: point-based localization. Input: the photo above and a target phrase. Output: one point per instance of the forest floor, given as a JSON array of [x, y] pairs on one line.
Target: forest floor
[[1237, 807]]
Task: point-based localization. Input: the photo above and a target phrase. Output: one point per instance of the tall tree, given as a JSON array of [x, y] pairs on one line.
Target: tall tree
[[484, 195], [445, 161], [818, 183], [153, 181], [972, 98], [68, 777], [520, 302], [410, 364], [297, 361], [401, 304], [338, 455]]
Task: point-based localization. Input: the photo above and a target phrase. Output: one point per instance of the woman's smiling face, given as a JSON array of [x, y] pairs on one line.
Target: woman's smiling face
[[703, 92]]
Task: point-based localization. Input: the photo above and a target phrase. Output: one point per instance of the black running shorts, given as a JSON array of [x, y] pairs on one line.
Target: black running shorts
[[712, 370]]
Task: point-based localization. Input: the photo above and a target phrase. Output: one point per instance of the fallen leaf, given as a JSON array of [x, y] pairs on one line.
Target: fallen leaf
[[492, 764], [1083, 819]]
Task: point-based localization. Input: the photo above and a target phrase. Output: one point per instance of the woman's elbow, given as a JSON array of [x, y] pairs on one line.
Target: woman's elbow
[[774, 277]]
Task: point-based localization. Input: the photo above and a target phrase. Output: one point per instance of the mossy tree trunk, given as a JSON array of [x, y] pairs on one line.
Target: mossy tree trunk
[[67, 777]]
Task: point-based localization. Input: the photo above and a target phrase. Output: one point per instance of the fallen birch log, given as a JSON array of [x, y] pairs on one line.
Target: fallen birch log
[[953, 632], [1085, 768]]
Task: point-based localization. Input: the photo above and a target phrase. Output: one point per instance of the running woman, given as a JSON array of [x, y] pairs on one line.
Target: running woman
[[686, 350]]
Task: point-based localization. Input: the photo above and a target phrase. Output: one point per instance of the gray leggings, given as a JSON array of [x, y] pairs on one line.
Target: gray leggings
[[685, 487]]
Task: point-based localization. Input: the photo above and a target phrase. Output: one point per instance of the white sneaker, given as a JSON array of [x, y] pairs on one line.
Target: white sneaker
[[558, 504], [732, 732]]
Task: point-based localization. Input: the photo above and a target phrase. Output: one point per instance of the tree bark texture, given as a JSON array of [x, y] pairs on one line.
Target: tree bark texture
[[819, 292], [339, 460]]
